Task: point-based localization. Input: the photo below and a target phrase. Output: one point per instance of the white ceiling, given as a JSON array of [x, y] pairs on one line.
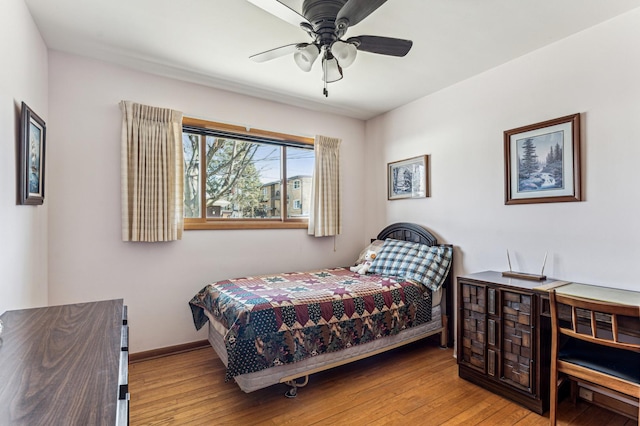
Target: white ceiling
[[210, 41]]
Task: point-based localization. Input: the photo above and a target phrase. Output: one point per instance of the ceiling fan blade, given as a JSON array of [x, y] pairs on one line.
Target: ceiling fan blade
[[280, 10], [356, 10], [274, 53], [382, 45]]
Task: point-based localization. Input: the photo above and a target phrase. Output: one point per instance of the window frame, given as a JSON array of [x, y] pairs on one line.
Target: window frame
[[250, 135]]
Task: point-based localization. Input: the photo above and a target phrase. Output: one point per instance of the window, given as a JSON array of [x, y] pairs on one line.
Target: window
[[236, 178]]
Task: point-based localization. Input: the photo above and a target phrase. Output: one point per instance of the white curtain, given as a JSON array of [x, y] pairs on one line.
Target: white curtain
[[325, 218], [151, 173]]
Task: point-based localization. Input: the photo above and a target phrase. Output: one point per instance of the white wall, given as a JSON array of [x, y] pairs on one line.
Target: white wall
[[597, 241], [88, 260], [23, 229]]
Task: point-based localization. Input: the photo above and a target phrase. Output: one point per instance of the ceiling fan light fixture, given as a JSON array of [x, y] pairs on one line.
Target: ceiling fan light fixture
[[344, 52], [327, 22], [306, 55], [331, 70]]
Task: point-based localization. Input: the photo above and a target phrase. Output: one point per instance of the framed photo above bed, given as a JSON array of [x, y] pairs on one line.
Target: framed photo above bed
[[31, 164], [408, 178], [542, 162]]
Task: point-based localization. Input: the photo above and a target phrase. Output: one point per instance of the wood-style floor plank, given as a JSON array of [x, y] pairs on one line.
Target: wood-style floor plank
[[417, 384]]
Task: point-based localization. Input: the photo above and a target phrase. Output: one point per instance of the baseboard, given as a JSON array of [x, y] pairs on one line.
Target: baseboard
[[170, 350]]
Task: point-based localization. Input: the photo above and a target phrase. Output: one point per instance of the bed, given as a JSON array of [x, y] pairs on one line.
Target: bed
[[280, 328]]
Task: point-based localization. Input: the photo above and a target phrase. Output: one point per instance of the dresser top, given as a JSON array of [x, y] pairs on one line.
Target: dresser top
[[494, 277], [59, 364], [587, 291]]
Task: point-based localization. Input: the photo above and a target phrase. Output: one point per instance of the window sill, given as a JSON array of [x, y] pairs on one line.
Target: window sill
[[194, 225]]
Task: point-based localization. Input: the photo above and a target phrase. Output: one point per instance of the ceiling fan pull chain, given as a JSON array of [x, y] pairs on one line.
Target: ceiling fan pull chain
[[325, 92]]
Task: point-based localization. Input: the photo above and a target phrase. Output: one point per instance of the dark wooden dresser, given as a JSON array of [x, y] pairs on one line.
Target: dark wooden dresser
[[65, 365], [504, 342]]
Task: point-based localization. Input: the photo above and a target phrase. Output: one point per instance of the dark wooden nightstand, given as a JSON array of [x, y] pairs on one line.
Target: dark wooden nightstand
[[504, 343]]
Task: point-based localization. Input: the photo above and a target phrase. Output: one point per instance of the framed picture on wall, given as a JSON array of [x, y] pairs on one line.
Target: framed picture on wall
[[408, 178], [542, 162], [32, 148]]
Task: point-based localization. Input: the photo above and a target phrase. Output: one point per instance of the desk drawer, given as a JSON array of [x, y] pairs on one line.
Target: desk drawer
[[122, 416]]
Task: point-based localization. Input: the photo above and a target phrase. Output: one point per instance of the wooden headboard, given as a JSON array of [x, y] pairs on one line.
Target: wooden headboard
[[406, 231]]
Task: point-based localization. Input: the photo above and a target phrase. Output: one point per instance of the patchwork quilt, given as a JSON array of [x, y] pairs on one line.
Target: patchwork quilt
[[279, 319]]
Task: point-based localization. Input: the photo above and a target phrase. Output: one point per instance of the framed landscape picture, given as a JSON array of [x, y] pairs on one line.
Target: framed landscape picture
[[408, 178], [32, 149], [542, 162]]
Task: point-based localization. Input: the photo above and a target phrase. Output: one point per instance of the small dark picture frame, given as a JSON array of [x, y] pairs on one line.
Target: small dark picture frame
[[408, 178], [542, 162], [32, 149]]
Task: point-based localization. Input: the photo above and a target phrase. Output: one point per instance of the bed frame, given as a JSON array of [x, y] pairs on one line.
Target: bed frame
[[400, 231], [407, 231]]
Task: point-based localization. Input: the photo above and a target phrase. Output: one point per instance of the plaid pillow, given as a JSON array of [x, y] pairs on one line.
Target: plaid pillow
[[414, 262]]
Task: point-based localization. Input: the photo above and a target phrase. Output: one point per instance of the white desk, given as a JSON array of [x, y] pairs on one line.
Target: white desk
[[611, 295]]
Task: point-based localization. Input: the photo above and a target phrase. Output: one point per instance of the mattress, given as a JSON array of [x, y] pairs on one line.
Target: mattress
[[270, 320], [249, 382]]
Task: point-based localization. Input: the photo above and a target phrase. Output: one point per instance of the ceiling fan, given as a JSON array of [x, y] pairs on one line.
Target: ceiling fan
[[326, 22]]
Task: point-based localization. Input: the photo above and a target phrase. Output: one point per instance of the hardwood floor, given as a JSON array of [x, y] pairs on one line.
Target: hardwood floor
[[417, 384]]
